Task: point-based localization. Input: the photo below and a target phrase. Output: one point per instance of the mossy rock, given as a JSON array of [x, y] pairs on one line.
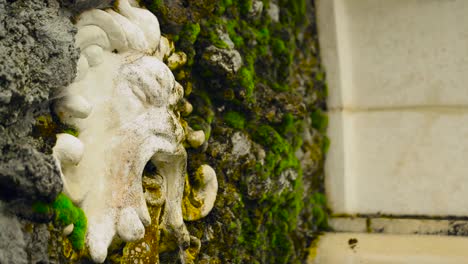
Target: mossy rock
[[66, 213], [278, 94]]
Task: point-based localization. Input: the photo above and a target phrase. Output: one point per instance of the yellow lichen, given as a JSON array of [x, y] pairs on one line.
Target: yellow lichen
[[146, 250], [189, 210], [313, 250]]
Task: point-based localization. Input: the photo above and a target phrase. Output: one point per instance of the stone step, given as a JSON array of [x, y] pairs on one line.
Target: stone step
[[354, 248]]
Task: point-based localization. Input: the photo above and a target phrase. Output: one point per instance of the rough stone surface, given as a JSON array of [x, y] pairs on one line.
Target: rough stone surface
[[27, 173], [269, 204], [173, 14], [241, 145], [223, 36], [12, 243], [273, 12], [37, 58], [77, 6], [20, 240], [37, 240], [225, 61], [256, 10], [262, 121]]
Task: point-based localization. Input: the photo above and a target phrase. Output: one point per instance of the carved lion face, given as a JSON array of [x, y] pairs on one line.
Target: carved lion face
[[123, 103]]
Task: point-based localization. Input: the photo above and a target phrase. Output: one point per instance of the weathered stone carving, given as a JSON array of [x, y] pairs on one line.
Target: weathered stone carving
[[126, 105]]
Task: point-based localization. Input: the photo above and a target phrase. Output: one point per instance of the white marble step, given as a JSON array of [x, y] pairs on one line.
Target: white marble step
[[351, 248]]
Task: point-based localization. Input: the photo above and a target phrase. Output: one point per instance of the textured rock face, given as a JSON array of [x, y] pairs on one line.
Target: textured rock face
[[258, 102], [78, 6], [27, 173], [223, 60], [12, 242], [258, 92], [20, 240], [37, 57]]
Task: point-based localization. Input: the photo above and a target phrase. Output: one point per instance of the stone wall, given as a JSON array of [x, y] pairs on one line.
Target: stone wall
[[398, 107], [263, 116], [38, 58], [254, 78]]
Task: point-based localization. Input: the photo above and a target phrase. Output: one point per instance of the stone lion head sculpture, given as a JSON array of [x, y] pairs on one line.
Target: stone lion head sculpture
[[126, 104]]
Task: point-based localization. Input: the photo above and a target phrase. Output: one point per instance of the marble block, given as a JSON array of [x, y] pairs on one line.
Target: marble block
[[394, 54], [345, 248], [398, 162]]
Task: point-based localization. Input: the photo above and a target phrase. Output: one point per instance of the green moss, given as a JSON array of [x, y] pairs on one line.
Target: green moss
[[325, 144], [268, 227], [283, 51], [45, 128], [319, 120], [66, 213], [278, 46], [245, 6], [262, 35], [48, 126], [41, 208], [319, 76], [278, 87], [262, 50], [269, 138], [262, 227], [211, 27], [206, 112], [186, 39], [190, 32], [295, 11], [283, 244], [77, 237], [249, 59], [232, 26], [155, 5], [215, 40], [232, 225], [234, 120], [237, 40], [319, 210], [282, 56], [158, 3], [288, 161], [280, 153], [222, 6], [246, 79], [72, 131], [289, 125]]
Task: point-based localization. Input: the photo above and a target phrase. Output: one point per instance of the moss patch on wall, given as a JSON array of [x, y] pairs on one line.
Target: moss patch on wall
[[270, 203], [66, 213]]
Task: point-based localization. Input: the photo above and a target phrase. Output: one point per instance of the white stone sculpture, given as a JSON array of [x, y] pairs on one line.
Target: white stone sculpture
[[123, 103]]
